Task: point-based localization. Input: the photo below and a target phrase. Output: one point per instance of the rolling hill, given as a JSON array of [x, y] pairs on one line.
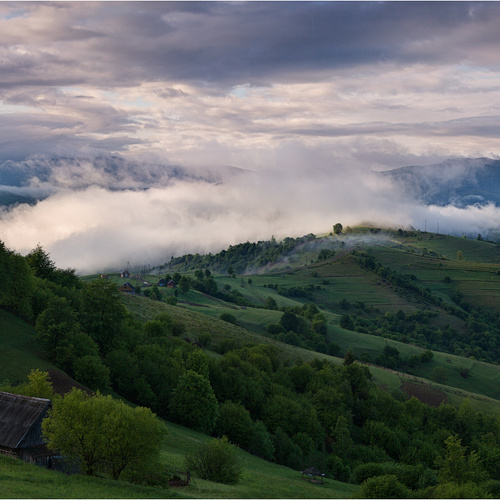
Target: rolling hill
[[418, 309]]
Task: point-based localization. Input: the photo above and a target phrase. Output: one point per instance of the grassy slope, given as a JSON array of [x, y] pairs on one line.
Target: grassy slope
[[261, 479], [21, 480], [476, 280]]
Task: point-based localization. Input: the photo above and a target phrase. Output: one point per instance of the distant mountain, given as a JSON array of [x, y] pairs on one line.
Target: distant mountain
[[38, 177], [459, 182]]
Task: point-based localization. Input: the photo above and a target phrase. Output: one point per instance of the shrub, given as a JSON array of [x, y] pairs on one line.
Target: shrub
[[229, 318], [216, 461], [386, 486], [368, 470], [453, 490]]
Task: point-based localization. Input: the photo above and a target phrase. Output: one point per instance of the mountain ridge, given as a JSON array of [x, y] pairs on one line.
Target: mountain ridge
[[460, 182]]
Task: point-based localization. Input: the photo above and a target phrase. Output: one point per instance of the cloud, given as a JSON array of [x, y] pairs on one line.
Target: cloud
[[95, 229]]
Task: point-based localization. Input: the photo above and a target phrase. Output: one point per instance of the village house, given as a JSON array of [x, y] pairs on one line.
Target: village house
[[21, 428], [127, 288], [169, 284], [125, 274]]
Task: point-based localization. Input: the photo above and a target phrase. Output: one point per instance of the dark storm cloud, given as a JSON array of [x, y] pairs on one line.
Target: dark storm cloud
[[121, 43], [256, 41]]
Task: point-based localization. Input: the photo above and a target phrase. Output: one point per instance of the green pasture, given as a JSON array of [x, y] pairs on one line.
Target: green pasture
[[448, 246], [478, 282], [261, 479], [22, 480]]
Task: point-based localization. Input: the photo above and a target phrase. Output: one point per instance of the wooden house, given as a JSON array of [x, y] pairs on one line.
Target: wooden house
[[125, 274], [21, 428], [127, 288], [313, 475], [168, 283]]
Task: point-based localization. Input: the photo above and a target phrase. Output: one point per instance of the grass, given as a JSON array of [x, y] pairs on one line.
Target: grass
[[261, 479], [21, 480]]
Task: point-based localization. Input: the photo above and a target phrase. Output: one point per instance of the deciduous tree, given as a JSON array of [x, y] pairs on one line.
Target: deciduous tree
[[103, 435], [193, 402]]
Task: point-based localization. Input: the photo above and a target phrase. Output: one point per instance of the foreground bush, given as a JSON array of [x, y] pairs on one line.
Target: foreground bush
[[215, 461]]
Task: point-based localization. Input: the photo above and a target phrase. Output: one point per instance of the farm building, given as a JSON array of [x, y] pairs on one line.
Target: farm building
[[127, 288], [125, 274], [21, 428], [163, 282]]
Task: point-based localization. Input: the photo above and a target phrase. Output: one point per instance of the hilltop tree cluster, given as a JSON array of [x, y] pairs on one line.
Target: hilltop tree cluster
[[239, 258]]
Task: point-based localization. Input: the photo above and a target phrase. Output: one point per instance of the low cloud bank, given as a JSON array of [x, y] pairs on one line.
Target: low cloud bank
[[96, 228]]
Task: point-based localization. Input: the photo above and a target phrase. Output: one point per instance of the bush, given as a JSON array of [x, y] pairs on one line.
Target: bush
[[386, 486], [215, 461], [229, 318], [368, 470]]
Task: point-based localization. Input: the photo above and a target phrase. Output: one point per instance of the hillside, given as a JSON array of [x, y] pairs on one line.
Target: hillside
[[415, 311]]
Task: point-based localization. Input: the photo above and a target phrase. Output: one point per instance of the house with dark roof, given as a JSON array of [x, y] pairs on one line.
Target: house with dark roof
[[127, 288], [168, 283], [21, 428]]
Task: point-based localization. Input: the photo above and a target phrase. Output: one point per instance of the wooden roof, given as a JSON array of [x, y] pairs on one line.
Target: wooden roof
[[17, 415], [312, 471]]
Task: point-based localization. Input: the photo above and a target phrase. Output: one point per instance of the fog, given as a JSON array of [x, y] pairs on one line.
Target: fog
[[95, 228]]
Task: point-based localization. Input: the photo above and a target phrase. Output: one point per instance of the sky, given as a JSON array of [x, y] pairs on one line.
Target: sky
[[308, 99]]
